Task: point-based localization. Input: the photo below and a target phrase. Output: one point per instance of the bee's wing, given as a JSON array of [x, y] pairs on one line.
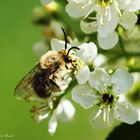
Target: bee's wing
[[24, 87]]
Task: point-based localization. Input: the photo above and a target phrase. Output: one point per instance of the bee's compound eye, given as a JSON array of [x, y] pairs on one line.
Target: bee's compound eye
[[67, 59]]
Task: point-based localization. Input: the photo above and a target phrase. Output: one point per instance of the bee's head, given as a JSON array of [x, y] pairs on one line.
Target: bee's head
[[67, 59], [71, 61]]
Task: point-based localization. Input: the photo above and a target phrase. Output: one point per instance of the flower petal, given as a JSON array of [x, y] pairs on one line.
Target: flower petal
[[65, 110], [58, 44], [138, 114], [84, 95], [122, 4], [128, 20], [133, 6], [99, 60], [87, 52], [97, 118], [126, 113], [52, 124], [83, 75], [68, 109], [88, 27], [108, 42], [108, 26], [77, 9], [129, 5], [122, 81], [56, 27], [99, 79]]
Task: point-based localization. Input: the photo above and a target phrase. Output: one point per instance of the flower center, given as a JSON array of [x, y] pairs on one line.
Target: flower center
[[107, 98], [104, 3]]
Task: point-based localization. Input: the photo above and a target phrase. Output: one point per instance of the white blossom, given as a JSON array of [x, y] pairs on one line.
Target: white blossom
[[104, 92], [109, 13], [108, 42], [64, 111], [87, 52]]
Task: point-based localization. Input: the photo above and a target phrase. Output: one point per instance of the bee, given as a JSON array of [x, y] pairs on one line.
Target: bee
[[50, 75]]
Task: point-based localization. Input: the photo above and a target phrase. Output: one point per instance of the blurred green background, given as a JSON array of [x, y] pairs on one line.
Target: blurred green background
[[17, 36]]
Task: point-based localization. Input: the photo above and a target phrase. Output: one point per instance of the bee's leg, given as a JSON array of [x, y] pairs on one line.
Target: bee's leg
[[39, 109], [40, 112], [27, 98], [66, 67], [54, 77]]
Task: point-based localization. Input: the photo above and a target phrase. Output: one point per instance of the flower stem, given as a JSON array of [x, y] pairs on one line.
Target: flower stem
[[122, 47]]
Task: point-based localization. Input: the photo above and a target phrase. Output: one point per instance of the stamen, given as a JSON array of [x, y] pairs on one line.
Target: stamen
[[88, 13], [103, 3], [104, 114], [98, 114], [115, 3], [92, 18], [103, 9], [101, 20], [108, 119]]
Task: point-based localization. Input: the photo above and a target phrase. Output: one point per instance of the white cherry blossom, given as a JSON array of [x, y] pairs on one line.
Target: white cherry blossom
[[109, 13], [104, 92], [64, 111]]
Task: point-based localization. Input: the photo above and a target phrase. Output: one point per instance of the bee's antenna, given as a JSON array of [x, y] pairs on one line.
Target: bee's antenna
[[65, 37], [72, 48]]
